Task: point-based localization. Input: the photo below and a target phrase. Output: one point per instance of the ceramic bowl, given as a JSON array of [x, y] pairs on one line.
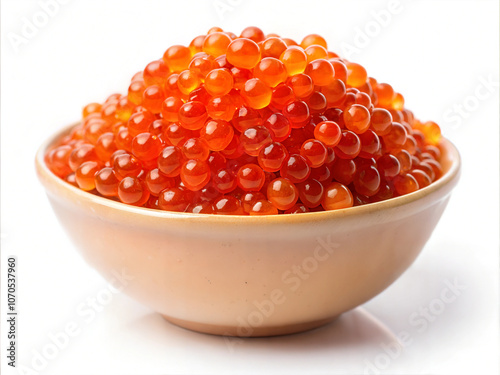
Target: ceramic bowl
[[245, 275]]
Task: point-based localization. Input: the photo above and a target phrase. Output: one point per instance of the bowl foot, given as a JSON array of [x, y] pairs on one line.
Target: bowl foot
[[237, 331]]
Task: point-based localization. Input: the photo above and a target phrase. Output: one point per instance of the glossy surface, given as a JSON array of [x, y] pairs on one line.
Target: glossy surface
[[194, 118]]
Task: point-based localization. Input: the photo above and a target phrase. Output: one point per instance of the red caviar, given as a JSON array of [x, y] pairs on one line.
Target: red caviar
[[253, 124]]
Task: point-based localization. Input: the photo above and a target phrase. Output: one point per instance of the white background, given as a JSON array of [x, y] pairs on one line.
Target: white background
[[437, 53]]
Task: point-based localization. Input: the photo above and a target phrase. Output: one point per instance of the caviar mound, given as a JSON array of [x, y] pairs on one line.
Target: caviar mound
[[250, 125]]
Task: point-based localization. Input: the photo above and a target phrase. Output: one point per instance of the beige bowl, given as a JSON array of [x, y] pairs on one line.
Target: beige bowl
[[251, 276]]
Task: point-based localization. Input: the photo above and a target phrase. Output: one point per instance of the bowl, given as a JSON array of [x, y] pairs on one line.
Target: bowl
[[246, 275]]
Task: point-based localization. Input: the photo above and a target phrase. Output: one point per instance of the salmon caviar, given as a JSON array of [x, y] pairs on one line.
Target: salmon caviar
[[58, 160], [217, 134], [328, 132], [297, 209], [279, 126], [297, 112], [224, 181], [282, 94], [294, 59], [254, 139], [356, 75], [250, 177], [337, 196], [80, 155], [106, 182], [301, 84], [176, 134], [271, 71], [173, 199], [256, 93], [221, 108], [133, 191], [254, 124], [357, 118], [296, 168], [192, 115], [85, 173], [349, 146], [422, 178], [152, 98], [272, 157], [254, 33], [196, 148], [263, 207], [195, 174], [146, 146], [245, 118], [431, 132], [313, 39], [334, 92], [282, 193], [314, 152], [340, 69], [243, 53], [157, 182], [321, 71], [367, 180], [170, 109], [381, 120], [249, 198], [170, 161], [218, 82], [126, 165], [177, 58], [135, 91], [227, 205], [155, 73], [139, 122], [202, 63], [188, 80], [311, 193], [405, 184], [272, 47], [196, 44], [91, 108]]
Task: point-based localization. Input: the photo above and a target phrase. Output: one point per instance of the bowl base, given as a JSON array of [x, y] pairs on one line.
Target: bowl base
[[237, 331]]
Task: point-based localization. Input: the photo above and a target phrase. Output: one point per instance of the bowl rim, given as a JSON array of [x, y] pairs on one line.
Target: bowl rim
[[47, 177]]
